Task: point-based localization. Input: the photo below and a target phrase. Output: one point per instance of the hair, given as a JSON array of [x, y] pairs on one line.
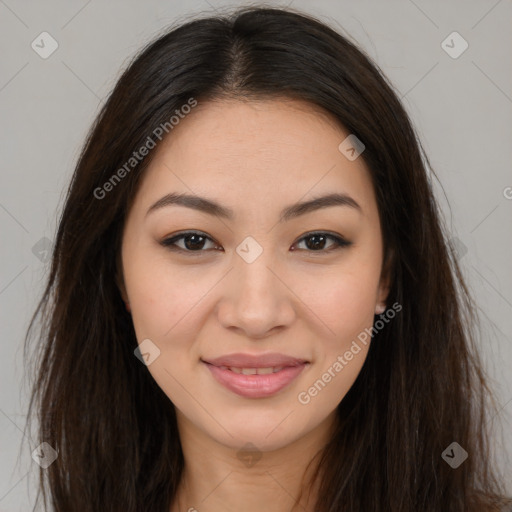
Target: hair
[[422, 385]]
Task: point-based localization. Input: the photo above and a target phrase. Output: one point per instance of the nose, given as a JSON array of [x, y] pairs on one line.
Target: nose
[[256, 299]]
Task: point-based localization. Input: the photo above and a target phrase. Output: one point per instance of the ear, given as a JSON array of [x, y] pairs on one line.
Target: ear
[[386, 277], [120, 279], [121, 286]]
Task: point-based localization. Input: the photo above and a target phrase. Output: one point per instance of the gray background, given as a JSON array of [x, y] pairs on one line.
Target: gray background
[[462, 108]]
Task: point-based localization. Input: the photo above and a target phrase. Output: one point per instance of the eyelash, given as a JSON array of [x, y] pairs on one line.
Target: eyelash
[[339, 242]]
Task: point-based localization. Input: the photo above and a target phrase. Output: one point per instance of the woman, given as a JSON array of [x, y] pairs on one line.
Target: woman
[[252, 304]]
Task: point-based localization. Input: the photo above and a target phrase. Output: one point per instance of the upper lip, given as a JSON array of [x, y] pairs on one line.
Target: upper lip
[[259, 361]]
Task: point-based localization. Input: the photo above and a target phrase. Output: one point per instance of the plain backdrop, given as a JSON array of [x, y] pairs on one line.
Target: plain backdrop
[[460, 104]]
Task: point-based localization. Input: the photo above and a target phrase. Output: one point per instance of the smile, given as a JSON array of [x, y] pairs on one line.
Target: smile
[[256, 382]]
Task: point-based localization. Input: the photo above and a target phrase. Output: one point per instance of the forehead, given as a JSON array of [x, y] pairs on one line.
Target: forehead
[[256, 152]]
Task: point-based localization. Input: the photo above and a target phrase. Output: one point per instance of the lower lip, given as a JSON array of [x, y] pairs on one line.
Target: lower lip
[[256, 386]]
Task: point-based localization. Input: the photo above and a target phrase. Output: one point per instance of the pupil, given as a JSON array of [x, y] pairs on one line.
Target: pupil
[[317, 244], [314, 242], [192, 245]]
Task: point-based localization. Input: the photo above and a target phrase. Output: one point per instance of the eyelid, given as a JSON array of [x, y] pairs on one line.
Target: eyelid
[[169, 242], [339, 241]]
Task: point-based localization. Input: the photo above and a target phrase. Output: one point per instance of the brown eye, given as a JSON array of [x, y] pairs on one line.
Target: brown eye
[[192, 242], [195, 242], [316, 242]]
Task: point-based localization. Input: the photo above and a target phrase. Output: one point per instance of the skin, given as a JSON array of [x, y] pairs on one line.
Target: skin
[[256, 158]]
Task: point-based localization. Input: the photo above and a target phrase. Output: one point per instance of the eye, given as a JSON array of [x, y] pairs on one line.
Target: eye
[[194, 242], [315, 242]]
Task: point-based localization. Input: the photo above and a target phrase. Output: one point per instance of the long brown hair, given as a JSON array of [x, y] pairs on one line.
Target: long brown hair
[[422, 386]]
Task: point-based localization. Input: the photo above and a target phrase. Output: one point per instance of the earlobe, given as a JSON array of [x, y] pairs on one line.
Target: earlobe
[[380, 308]]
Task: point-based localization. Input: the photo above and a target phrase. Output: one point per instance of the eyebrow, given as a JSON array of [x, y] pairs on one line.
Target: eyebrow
[[210, 207]]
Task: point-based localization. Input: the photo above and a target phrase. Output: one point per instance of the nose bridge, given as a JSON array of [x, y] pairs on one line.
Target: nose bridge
[[258, 300], [255, 280]]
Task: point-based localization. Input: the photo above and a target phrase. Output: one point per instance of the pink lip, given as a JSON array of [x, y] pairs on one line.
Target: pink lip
[[255, 386], [261, 361]]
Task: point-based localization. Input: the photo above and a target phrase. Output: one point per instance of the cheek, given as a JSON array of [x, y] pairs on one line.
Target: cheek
[[345, 303], [162, 298], [343, 299]]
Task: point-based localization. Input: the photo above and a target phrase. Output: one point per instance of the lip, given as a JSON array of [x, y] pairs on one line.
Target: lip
[[255, 386], [240, 360]]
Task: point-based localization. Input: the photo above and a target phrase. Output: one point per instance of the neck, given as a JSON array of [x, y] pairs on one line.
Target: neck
[[218, 478]]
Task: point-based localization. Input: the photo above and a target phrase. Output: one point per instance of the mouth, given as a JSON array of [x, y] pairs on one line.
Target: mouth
[[270, 360], [255, 377], [253, 371]]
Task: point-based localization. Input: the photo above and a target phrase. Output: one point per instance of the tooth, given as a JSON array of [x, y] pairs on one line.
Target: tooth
[[253, 371], [265, 371]]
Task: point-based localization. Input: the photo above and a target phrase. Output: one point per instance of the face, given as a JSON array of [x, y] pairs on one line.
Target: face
[[253, 277]]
